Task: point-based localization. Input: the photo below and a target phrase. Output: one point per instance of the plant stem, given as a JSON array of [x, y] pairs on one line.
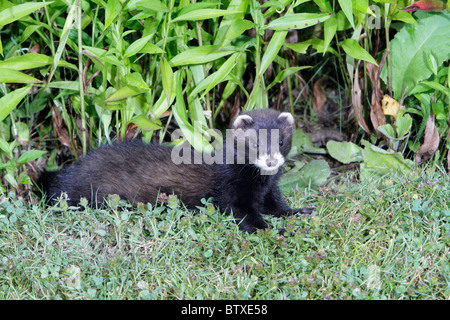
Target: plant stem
[[289, 85], [94, 24], [47, 15], [387, 23], [80, 78], [205, 71]]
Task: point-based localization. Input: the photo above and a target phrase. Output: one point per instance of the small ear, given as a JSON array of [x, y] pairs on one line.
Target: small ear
[[241, 121], [286, 116]]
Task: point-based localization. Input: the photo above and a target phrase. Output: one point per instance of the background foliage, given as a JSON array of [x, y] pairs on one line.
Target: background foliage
[[76, 74]]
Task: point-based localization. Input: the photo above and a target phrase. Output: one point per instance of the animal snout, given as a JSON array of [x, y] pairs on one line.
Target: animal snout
[[271, 162]]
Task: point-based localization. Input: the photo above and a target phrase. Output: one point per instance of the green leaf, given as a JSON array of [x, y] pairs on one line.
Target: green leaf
[[144, 123], [329, 30], [439, 110], [316, 44], [297, 21], [314, 173], [8, 147], [22, 131], [71, 85], [4, 146], [345, 152], [201, 55], [279, 6], [388, 131], [30, 155], [272, 50], [136, 46], [324, 5], [151, 48], [73, 280], [403, 16], [11, 100], [24, 178], [342, 21], [163, 103], [237, 28], [167, 78], [193, 133], [403, 125], [302, 143], [197, 6], [26, 61], [19, 11], [212, 80], [208, 253], [13, 76], [125, 92], [347, 8], [431, 60], [11, 180], [284, 74], [411, 48], [231, 26], [203, 14], [153, 5], [135, 80], [100, 232], [29, 30], [180, 113], [353, 49], [437, 86], [179, 109], [112, 10], [63, 39], [197, 114], [379, 162], [102, 56]]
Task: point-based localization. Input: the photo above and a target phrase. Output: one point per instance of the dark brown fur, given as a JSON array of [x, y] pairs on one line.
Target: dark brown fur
[[138, 172]]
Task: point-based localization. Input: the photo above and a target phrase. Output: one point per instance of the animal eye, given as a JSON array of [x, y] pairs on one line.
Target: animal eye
[[281, 142]]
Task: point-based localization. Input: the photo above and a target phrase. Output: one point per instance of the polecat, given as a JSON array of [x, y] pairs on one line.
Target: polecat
[[245, 182]]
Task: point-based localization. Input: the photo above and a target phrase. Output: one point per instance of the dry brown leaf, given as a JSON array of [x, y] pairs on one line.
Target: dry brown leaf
[[319, 98], [61, 131], [35, 49], [357, 102], [376, 112], [431, 141], [448, 161], [236, 108], [131, 131]]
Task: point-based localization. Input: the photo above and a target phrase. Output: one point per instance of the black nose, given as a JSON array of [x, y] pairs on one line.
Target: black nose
[[271, 162]]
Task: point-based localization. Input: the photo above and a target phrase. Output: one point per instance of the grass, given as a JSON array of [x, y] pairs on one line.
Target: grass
[[382, 239]]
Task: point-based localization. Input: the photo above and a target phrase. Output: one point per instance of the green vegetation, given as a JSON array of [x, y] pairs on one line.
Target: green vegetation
[[387, 239], [75, 74]]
